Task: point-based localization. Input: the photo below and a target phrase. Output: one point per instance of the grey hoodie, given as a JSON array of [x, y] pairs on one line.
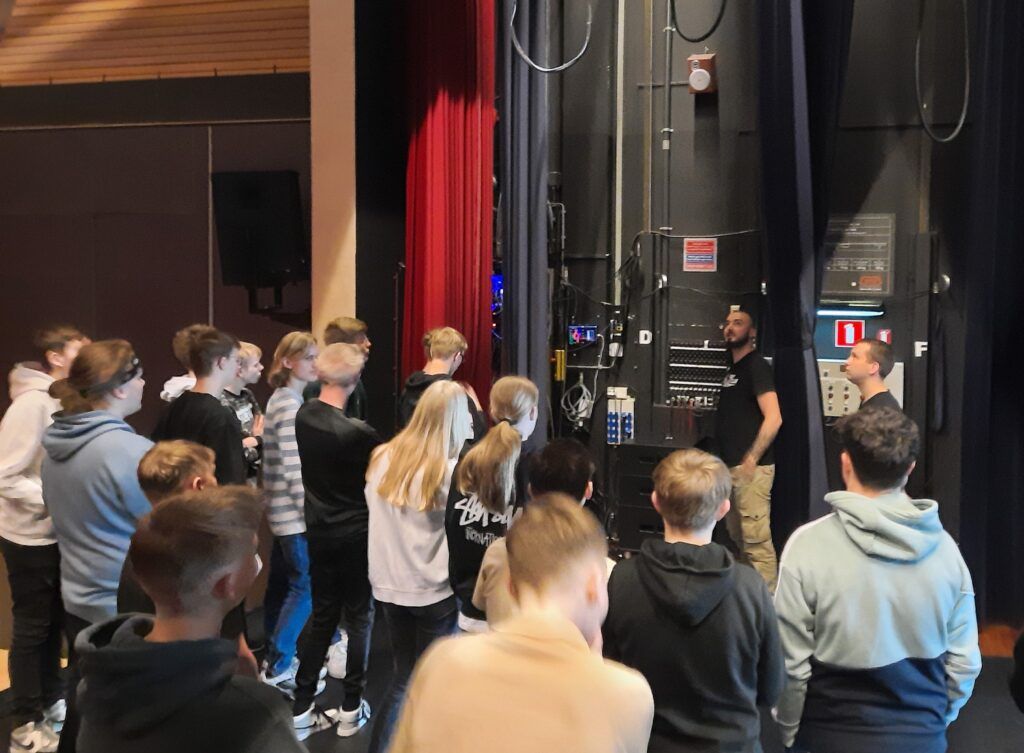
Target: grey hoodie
[[23, 517], [877, 620], [91, 488]]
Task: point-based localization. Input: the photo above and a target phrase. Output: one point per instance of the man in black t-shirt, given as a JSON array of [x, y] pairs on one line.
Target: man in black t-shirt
[[748, 420], [335, 451], [869, 363]]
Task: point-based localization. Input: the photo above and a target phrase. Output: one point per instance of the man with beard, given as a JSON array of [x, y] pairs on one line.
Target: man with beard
[[748, 420]]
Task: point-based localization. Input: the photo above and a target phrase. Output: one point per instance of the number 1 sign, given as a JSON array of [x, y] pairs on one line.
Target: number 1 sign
[[848, 332]]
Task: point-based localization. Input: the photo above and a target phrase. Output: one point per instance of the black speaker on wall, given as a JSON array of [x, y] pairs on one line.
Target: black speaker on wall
[[260, 228]]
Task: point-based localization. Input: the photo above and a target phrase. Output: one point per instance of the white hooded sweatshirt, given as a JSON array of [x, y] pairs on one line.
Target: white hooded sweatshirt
[[23, 516]]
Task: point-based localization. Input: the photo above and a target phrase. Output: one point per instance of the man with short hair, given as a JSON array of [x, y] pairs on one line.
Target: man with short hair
[[444, 348], [747, 420], [698, 626], [198, 414], [29, 544], [352, 331], [869, 363], [335, 452], [180, 344], [166, 683], [876, 608], [537, 681]]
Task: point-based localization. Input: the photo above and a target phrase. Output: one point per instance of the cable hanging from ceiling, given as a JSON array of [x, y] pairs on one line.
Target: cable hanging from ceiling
[[549, 69], [705, 35], [967, 80]]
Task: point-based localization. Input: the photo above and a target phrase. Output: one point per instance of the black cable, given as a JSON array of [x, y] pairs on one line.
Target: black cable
[[702, 37], [967, 80]]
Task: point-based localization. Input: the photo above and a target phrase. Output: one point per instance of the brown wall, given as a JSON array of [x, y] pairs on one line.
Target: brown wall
[[109, 228]]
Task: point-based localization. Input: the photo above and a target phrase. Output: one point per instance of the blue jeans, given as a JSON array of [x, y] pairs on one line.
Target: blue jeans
[[412, 630], [288, 601]]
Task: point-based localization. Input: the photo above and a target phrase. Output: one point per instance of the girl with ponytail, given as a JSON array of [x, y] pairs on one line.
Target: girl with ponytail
[[485, 491]]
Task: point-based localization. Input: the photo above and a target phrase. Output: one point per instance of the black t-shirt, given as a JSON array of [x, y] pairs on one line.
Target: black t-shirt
[[335, 452], [739, 416], [416, 385], [355, 407], [202, 419], [881, 400]]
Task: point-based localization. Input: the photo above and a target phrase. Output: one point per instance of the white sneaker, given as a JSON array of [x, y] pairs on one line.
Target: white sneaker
[[309, 722], [337, 660], [55, 714], [34, 738], [350, 722], [285, 681], [295, 671]]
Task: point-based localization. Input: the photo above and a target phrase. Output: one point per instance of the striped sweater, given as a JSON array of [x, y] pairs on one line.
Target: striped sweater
[[282, 470]]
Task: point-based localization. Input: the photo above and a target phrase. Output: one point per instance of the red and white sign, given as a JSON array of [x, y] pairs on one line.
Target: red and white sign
[[700, 254], [885, 335], [848, 332]]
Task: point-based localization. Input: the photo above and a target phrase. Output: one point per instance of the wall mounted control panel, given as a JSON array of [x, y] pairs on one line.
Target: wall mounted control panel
[[840, 396]]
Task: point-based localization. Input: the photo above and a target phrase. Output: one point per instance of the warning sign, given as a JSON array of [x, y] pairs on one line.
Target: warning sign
[[700, 254], [848, 332]]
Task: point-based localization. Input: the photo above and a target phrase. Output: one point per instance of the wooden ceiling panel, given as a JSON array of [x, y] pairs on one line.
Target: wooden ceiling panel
[[64, 41]]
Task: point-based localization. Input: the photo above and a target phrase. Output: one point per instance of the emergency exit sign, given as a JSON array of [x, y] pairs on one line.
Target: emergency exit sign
[[848, 332]]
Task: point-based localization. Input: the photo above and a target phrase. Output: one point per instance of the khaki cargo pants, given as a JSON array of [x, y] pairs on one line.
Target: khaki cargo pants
[[749, 522]]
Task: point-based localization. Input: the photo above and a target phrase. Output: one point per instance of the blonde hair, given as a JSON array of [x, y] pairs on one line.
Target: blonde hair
[[293, 345], [553, 535], [443, 342], [489, 468], [189, 538], [99, 369], [691, 485], [340, 364], [344, 329], [168, 467], [249, 352], [438, 429]]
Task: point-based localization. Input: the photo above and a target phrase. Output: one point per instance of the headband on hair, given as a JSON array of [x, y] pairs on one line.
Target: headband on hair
[[131, 371]]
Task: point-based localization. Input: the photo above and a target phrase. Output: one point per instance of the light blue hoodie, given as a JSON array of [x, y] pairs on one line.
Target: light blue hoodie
[[91, 489]]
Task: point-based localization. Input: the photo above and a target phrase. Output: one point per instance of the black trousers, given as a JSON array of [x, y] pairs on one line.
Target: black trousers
[[340, 586], [34, 576], [69, 736], [412, 630]]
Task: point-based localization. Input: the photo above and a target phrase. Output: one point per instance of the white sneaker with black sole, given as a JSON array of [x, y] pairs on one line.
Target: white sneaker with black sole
[[310, 721], [34, 737], [350, 722]]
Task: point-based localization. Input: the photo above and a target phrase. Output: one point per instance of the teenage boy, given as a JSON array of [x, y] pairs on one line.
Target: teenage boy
[[29, 545], [198, 415], [876, 607], [536, 682], [180, 345], [335, 451], [698, 626], [352, 331], [563, 466], [747, 420], [239, 398], [166, 683], [869, 363], [444, 349]]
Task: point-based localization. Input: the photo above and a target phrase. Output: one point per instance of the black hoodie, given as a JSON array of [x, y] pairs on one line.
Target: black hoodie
[[416, 385], [140, 697], [703, 631]]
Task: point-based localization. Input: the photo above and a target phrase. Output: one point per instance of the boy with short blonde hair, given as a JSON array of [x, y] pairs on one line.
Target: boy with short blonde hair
[[444, 349], [698, 626], [537, 677], [239, 398]]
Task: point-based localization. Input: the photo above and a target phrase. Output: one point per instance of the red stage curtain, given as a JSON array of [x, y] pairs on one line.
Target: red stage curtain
[[449, 197]]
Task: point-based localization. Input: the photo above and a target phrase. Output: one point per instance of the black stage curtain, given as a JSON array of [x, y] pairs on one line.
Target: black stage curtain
[[798, 112], [992, 486], [523, 178]]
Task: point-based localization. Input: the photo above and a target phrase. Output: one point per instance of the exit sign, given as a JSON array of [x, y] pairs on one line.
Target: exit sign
[[848, 332]]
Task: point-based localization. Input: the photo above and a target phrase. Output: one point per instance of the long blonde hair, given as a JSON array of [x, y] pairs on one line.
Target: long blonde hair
[[438, 429], [489, 468], [294, 345]]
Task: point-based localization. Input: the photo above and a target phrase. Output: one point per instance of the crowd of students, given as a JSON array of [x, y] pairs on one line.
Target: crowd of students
[[140, 554]]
